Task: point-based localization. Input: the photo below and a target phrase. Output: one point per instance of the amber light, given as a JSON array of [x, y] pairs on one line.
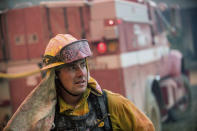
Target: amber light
[[112, 46]]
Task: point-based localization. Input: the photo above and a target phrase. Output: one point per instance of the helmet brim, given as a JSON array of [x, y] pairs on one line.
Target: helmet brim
[[52, 65]]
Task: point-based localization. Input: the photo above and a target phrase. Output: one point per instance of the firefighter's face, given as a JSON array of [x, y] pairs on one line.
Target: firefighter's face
[[73, 77]]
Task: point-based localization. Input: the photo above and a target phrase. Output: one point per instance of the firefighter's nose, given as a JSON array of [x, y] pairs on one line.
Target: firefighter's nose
[[80, 71]]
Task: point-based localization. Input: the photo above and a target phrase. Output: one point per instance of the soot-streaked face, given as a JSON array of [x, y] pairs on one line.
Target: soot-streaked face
[[73, 76]]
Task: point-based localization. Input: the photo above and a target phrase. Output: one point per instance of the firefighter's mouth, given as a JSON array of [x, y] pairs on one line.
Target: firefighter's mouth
[[80, 82]]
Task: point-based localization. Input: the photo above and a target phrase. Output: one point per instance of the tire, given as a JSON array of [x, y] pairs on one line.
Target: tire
[[153, 112], [181, 110]]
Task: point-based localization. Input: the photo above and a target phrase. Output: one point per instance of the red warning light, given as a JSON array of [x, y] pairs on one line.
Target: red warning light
[[119, 21], [111, 22], [101, 47]]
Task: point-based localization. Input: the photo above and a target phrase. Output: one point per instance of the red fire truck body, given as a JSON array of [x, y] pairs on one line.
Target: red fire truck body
[[132, 57], [131, 54]]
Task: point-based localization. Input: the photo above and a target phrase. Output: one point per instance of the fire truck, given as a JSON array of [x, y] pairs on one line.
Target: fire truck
[[131, 53]]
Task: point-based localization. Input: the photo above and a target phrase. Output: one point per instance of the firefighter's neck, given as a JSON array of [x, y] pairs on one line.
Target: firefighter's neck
[[70, 99]]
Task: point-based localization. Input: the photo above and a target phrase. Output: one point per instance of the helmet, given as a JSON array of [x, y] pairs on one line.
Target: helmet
[[64, 48]]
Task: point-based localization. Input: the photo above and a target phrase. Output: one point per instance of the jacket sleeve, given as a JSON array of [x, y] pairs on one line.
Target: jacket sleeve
[[125, 115]]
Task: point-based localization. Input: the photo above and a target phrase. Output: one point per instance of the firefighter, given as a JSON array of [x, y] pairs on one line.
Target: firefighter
[[68, 98]]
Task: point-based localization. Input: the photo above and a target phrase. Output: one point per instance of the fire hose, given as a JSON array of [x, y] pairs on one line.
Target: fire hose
[[18, 75]]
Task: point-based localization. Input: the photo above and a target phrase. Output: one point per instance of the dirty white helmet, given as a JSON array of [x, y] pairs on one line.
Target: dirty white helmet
[[64, 48]]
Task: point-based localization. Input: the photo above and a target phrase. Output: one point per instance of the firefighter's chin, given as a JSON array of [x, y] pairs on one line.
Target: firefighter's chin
[[80, 88]]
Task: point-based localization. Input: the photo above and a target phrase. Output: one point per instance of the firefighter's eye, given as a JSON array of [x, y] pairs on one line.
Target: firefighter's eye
[[72, 67], [83, 64], [69, 67]]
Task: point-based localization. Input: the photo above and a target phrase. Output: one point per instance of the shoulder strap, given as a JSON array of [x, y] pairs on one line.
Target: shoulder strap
[[107, 108], [100, 105]]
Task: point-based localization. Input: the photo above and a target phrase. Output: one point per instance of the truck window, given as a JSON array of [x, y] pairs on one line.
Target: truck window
[[159, 23]]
